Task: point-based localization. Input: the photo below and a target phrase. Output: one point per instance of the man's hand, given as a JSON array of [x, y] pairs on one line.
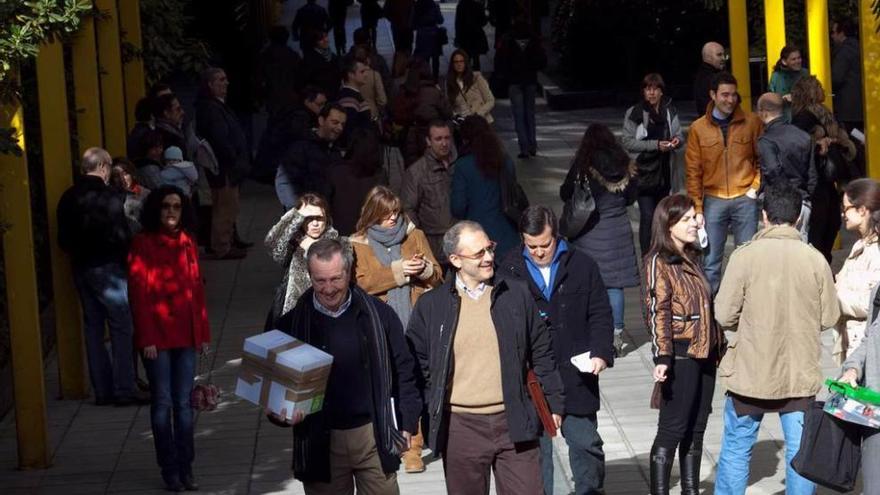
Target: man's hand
[[850, 376], [701, 220], [599, 365], [660, 373], [752, 193], [557, 420], [150, 352], [282, 419]]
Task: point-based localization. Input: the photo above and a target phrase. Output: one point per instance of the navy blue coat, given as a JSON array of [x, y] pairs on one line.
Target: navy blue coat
[[579, 317], [477, 198]]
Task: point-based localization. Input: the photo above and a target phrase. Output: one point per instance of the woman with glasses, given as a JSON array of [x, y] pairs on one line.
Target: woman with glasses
[[467, 91], [393, 261], [288, 242], [170, 319], [861, 270]]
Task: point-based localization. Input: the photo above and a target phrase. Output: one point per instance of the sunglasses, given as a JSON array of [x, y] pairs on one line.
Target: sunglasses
[[481, 253]]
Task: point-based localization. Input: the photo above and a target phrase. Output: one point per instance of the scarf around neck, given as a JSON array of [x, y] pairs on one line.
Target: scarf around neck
[[386, 245]]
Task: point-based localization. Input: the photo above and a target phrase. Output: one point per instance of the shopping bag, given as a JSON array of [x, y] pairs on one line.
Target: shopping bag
[[859, 405], [830, 450]]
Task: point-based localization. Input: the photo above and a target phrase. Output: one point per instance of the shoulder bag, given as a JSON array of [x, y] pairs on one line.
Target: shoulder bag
[[577, 209], [513, 198]]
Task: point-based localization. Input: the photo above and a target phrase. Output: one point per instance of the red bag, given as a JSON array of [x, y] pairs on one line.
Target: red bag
[[540, 402], [205, 395]]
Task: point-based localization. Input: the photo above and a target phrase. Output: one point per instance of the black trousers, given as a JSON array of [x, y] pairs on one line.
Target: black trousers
[[825, 218], [647, 204], [686, 404]]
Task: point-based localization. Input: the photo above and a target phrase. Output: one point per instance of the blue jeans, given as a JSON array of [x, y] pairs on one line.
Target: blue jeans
[[522, 101], [171, 383], [615, 298], [103, 294], [740, 433], [739, 215], [585, 455]]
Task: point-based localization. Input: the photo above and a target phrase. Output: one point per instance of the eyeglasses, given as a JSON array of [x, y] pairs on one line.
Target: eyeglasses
[[172, 206], [481, 253]]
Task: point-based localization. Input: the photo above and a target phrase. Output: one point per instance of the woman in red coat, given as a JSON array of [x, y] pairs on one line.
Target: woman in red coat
[[170, 325]]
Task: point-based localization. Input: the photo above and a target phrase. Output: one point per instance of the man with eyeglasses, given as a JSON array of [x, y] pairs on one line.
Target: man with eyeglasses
[[93, 230], [475, 337], [566, 285]]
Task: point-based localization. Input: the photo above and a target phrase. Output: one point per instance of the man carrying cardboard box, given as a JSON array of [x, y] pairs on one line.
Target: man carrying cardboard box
[[371, 404]]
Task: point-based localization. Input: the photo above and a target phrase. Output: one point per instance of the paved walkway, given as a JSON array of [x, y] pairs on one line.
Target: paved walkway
[[110, 450]]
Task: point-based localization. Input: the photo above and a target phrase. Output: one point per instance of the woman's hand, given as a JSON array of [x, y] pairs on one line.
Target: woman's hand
[[850, 376], [310, 211], [414, 266], [824, 144], [150, 352], [660, 373]]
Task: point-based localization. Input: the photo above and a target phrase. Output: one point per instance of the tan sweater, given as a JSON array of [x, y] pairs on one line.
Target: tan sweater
[[476, 379]]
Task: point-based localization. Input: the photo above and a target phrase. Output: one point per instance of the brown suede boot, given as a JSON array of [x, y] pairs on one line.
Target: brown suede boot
[[412, 458]]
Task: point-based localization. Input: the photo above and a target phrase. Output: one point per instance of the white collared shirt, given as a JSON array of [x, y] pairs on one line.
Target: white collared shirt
[[473, 294], [332, 314]]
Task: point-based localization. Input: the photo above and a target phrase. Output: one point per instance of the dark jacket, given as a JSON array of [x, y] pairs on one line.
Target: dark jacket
[[307, 164], [134, 143], [371, 12], [279, 72], [579, 318], [427, 20], [607, 237], [846, 81], [523, 341], [218, 124], [311, 438], [92, 227], [518, 61], [470, 18], [357, 113], [425, 194], [786, 155], [349, 185], [322, 73], [478, 198], [284, 127], [702, 85], [173, 136]]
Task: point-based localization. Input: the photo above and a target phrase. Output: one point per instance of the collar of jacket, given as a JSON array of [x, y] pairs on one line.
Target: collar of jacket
[[778, 121], [738, 114], [535, 271], [619, 185], [782, 231]]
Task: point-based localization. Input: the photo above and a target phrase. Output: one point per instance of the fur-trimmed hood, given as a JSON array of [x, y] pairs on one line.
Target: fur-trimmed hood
[[612, 180]]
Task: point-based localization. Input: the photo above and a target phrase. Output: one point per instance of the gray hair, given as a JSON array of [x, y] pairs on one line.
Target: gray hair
[[453, 235], [325, 249], [93, 158], [207, 77]]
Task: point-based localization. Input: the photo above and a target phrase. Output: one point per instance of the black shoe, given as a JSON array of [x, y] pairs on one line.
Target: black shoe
[[533, 152], [522, 155], [142, 385], [661, 467], [689, 466], [173, 484], [190, 483], [242, 244]]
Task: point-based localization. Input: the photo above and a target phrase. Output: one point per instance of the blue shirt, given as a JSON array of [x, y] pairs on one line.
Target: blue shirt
[[535, 272]]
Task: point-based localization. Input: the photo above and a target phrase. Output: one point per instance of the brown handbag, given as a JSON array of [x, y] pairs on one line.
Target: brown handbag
[[540, 402], [205, 395], [656, 395]]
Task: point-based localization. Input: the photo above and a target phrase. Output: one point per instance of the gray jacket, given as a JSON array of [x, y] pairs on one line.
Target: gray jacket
[[634, 140], [866, 358], [786, 155], [425, 193], [846, 80]]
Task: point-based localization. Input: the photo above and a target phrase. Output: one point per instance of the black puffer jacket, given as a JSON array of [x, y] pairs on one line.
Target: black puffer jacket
[[579, 318], [522, 339], [307, 163]]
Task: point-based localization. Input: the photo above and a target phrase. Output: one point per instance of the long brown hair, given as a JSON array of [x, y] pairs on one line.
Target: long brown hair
[[806, 91], [313, 199], [669, 211], [866, 193], [380, 203], [479, 139], [467, 77], [597, 138]]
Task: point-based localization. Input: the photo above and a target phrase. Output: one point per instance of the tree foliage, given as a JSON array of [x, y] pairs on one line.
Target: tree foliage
[[168, 44]]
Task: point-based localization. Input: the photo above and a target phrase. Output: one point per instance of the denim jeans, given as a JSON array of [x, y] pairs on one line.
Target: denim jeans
[[740, 433], [171, 383], [585, 455], [522, 101], [739, 215], [103, 294], [615, 298], [284, 189]]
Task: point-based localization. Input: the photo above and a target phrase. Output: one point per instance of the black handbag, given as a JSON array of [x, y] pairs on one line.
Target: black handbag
[[577, 209], [830, 451], [514, 200]]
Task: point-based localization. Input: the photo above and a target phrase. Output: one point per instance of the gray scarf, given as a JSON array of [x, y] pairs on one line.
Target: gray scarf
[[386, 244]]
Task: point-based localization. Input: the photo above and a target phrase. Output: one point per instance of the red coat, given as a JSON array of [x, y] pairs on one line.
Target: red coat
[[165, 292]]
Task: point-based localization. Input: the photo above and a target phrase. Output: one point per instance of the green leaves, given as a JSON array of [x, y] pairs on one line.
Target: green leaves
[[167, 44]]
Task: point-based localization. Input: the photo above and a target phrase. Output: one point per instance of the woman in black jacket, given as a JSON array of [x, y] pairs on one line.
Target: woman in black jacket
[[607, 237], [470, 19], [430, 34]]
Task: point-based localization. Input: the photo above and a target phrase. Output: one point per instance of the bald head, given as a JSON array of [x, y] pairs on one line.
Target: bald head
[[770, 106], [713, 54]]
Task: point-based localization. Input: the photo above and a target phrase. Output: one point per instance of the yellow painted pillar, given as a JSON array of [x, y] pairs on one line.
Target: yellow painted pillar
[[58, 172], [21, 294], [870, 42], [819, 44], [774, 28], [87, 87], [739, 50], [112, 85], [133, 70]]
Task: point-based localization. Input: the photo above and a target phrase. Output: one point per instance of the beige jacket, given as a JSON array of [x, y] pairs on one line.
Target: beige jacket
[[860, 273], [374, 93], [778, 295], [478, 99]]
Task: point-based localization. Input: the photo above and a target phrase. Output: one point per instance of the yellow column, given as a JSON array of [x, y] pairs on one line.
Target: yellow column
[[58, 166], [871, 81], [112, 86], [133, 70], [21, 294], [819, 44], [87, 90], [739, 50], [774, 27]]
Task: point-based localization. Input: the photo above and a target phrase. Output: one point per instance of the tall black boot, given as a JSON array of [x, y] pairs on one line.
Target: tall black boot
[[689, 466], [661, 467]]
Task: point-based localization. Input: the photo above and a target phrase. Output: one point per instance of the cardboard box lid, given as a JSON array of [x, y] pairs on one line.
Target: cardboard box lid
[[302, 358], [260, 345]]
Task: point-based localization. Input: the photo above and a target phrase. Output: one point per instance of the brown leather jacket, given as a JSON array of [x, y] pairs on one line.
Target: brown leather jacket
[[723, 168], [678, 310]]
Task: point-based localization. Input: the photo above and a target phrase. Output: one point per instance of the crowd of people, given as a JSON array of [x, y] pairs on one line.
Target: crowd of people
[[440, 291]]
